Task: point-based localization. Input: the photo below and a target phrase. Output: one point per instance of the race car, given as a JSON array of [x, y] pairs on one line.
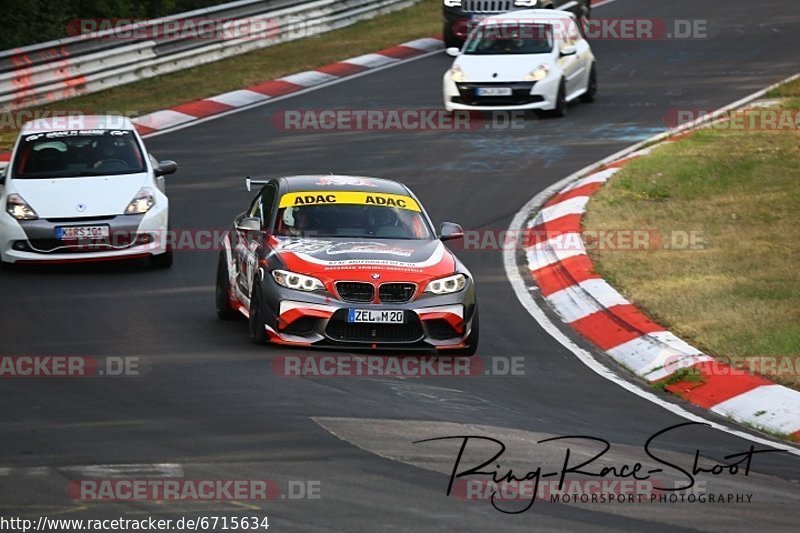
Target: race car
[[346, 262], [525, 60], [83, 188], [461, 16]]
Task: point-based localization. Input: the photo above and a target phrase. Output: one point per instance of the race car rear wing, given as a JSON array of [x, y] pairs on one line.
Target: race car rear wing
[[250, 182]]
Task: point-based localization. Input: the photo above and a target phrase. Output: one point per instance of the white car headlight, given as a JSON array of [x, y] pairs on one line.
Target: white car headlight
[[19, 208], [300, 282], [538, 74], [525, 3], [447, 285], [452, 3], [457, 75], [144, 200]]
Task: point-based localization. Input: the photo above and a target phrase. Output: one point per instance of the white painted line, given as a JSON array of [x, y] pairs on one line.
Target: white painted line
[[554, 250], [239, 98], [427, 44], [160, 120], [157, 470], [538, 314], [656, 355], [598, 177], [773, 407], [573, 206], [371, 60], [309, 78], [584, 299]]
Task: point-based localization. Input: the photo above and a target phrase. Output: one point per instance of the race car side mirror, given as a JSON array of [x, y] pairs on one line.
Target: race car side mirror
[[453, 51], [249, 224], [450, 231], [166, 167]]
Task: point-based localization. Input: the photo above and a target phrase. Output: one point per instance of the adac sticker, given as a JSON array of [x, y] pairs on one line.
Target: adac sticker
[[297, 199]]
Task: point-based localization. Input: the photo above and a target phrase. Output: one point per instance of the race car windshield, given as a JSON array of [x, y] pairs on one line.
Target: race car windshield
[[69, 154], [352, 221], [504, 39]]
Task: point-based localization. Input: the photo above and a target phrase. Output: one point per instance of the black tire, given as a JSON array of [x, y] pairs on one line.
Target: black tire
[[162, 261], [222, 291], [472, 340], [561, 101], [256, 323], [450, 38], [591, 88]]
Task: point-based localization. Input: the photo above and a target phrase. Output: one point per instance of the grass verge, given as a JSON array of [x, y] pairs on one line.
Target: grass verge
[[738, 295], [420, 20]]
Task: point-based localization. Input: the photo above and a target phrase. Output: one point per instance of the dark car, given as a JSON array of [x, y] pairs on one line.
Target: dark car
[[460, 16], [343, 261]]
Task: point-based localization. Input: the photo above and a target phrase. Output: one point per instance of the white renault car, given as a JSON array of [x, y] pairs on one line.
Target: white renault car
[[535, 59], [86, 191]]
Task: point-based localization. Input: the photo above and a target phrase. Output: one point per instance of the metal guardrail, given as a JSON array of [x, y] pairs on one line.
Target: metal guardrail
[[88, 63]]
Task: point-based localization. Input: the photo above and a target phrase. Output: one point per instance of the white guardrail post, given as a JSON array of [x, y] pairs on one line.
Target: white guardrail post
[[56, 70]]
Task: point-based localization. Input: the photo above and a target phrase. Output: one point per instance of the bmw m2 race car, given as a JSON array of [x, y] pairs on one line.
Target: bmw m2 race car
[[350, 262]]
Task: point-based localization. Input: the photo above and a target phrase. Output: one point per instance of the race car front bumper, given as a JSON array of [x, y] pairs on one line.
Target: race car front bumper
[[430, 322]]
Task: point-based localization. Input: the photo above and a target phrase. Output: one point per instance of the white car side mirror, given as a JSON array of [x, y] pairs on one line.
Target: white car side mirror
[[453, 51]]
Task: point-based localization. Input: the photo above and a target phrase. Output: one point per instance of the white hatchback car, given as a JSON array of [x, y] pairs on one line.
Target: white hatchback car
[[87, 191], [535, 60]]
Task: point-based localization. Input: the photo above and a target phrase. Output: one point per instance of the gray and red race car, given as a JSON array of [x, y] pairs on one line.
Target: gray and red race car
[[347, 262]]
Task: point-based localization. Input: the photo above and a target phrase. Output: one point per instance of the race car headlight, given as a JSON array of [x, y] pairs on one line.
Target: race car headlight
[[538, 74], [299, 282], [447, 285], [525, 3], [457, 75], [452, 3], [142, 202], [19, 208]]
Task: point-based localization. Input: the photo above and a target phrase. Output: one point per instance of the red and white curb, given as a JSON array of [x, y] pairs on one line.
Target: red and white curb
[[187, 113], [567, 280]]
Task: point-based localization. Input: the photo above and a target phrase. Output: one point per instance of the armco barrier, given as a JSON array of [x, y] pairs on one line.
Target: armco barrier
[[93, 62]]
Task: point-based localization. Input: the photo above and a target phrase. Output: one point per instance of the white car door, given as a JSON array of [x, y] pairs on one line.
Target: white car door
[[574, 66]]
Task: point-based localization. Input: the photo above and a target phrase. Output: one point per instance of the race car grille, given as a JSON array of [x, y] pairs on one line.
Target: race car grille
[[353, 291], [488, 6], [520, 94], [440, 329], [340, 330], [396, 292]]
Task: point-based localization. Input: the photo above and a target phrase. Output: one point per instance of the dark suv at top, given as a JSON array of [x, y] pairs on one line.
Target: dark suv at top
[[461, 15]]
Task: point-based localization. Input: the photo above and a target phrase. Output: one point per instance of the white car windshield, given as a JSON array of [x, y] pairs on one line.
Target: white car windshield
[[67, 154], [503, 39]]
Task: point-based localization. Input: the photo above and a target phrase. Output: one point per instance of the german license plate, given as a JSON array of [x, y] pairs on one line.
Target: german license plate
[[494, 91], [74, 233], [368, 316]]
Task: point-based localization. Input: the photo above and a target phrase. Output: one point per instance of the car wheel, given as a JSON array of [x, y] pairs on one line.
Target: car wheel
[[222, 291], [472, 339], [162, 260], [256, 323], [561, 101], [591, 88], [450, 38]]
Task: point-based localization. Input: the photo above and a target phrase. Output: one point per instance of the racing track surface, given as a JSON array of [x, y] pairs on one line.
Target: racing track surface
[[210, 402]]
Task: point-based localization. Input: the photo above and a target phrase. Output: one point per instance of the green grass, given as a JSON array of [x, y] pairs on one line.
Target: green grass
[[421, 20], [738, 296]]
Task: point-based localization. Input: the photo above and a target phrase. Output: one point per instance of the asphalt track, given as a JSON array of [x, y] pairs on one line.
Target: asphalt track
[[211, 406]]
